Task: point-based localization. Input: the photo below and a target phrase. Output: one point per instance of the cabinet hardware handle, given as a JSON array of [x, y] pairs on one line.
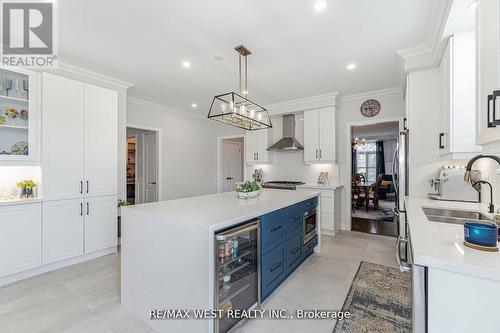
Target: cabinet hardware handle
[[81, 187], [257, 156], [491, 107], [320, 153], [441, 136], [295, 218], [81, 209], [276, 229], [405, 124], [87, 186], [88, 209], [496, 95], [275, 267], [295, 250], [316, 153]]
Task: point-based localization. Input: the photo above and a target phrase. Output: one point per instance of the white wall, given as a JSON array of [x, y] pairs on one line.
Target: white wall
[[290, 165], [188, 148], [389, 149], [349, 114]]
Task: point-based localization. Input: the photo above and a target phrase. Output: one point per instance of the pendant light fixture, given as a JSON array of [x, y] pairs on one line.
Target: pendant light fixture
[[234, 108]]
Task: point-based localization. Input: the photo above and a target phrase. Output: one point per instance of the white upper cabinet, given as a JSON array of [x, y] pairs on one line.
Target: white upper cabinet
[[100, 141], [487, 69], [19, 115], [63, 138], [79, 139], [319, 135], [256, 143], [456, 84]]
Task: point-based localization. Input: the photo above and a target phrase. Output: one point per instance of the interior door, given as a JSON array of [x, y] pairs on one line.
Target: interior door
[[327, 135], [100, 223], [150, 162], [311, 141], [62, 230], [100, 141], [231, 165], [62, 136]]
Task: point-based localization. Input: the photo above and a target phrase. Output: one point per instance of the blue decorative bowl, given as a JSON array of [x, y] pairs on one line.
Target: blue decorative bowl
[[481, 234]]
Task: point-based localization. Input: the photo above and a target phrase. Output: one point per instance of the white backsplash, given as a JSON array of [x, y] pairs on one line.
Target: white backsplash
[[10, 175]]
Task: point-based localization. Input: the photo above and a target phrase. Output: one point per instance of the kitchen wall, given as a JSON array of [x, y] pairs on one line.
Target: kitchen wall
[[348, 114], [188, 147], [290, 165]]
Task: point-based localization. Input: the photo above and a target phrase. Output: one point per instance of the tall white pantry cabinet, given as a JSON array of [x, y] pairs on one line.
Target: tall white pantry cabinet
[[79, 163]]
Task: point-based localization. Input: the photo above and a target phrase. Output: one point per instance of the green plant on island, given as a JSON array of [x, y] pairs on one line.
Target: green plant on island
[[248, 186]]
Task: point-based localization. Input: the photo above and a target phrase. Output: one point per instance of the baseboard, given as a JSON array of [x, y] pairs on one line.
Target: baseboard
[[51, 267]]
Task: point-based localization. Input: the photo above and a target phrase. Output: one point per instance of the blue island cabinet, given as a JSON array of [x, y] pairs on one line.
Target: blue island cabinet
[[282, 245]]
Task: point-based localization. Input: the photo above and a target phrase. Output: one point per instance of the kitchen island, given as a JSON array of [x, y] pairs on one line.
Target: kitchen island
[[168, 251]]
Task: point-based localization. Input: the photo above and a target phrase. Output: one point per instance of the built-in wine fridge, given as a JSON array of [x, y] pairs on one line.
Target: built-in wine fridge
[[237, 285]]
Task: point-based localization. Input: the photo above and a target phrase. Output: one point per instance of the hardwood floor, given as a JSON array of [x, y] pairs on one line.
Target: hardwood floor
[[376, 227]]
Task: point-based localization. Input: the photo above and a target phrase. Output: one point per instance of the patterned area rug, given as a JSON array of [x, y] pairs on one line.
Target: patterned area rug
[[384, 213], [379, 301]]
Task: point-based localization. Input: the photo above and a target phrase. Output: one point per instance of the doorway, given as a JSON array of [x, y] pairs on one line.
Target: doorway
[[230, 163], [373, 192], [142, 165]]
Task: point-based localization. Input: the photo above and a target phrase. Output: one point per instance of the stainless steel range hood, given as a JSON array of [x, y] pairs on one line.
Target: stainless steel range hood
[[288, 142]]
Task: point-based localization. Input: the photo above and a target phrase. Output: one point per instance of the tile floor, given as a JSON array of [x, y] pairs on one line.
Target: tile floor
[[86, 297]]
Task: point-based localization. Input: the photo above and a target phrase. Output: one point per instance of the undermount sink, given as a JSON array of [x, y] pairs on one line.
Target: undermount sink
[[454, 216]]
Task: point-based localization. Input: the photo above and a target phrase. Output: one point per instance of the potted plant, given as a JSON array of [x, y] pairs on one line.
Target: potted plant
[[248, 190], [26, 186], [121, 203]]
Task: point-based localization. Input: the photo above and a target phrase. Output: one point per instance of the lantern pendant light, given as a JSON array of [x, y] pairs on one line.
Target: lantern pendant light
[[234, 108]]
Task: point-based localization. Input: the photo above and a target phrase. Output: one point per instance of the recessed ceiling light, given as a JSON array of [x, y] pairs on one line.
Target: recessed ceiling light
[[186, 64], [351, 66], [320, 5], [194, 105]]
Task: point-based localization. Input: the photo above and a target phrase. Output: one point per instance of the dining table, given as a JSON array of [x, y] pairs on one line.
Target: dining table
[[365, 189]]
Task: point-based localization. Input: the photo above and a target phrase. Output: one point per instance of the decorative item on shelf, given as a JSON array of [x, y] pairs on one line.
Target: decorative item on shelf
[[323, 178], [24, 115], [19, 148], [248, 190], [7, 85], [10, 193], [234, 109], [370, 108], [11, 112], [27, 186]]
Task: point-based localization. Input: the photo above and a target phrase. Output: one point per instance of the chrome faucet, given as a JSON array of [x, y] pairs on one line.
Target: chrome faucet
[[467, 177]]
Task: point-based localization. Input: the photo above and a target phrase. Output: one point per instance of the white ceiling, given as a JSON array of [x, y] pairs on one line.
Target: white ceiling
[[297, 52]]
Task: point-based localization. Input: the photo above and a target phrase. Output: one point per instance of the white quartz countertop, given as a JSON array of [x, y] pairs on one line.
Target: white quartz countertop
[[440, 245], [14, 202], [319, 187], [217, 211]]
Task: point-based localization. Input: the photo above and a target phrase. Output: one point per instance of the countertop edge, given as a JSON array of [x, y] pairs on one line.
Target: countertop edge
[[18, 202]]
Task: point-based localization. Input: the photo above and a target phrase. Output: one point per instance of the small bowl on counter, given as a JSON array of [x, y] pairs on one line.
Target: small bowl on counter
[[481, 234]]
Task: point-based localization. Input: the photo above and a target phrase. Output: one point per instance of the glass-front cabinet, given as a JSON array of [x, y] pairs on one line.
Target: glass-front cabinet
[[19, 114], [236, 272]]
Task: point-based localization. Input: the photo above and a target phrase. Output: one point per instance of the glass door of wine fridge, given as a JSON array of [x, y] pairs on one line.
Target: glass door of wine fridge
[[236, 272]]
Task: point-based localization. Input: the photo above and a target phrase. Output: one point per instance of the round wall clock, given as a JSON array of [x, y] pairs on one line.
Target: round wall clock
[[370, 108]]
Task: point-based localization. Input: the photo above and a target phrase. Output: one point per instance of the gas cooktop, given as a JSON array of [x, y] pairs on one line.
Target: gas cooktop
[[282, 185]]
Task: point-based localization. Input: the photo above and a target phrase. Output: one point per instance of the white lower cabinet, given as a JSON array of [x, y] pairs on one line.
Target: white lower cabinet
[[100, 223], [20, 238], [74, 227], [63, 230]]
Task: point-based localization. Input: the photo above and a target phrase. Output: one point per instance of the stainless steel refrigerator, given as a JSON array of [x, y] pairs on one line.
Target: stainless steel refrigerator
[[404, 254]]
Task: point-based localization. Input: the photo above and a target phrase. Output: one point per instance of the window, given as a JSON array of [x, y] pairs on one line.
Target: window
[[367, 160]]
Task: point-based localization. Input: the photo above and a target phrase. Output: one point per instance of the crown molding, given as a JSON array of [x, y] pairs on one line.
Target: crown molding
[[165, 108], [370, 94], [428, 54], [93, 75], [303, 104]]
